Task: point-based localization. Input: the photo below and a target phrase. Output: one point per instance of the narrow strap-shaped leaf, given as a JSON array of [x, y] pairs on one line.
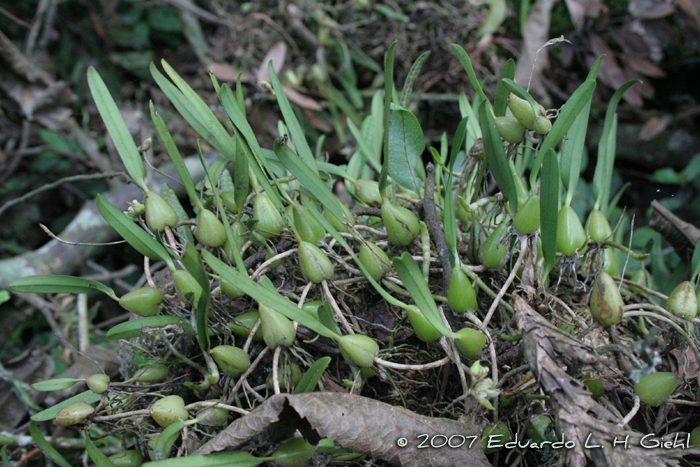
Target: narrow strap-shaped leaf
[[262, 294], [97, 456], [204, 115], [193, 263], [500, 101], [388, 92], [310, 379], [59, 284], [467, 64], [309, 178], [411, 78], [606, 149], [167, 438], [55, 384], [549, 208], [134, 328], [495, 155], [566, 118], [117, 129], [44, 445], [88, 397], [241, 177], [223, 459], [175, 156], [302, 146], [414, 282], [133, 234]]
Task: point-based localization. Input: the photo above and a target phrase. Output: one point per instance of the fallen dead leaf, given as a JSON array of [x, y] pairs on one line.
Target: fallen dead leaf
[[681, 235], [529, 67], [358, 424]]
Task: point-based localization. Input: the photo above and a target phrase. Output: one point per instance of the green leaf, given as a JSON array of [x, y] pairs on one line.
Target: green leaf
[[4, 296], [500, 102], [467, 63], [167, 438], [695, 262], [310, 379], [223, 459], [171, 198], [495, 155], [132, 233], [406, 145], [309, 178], [262, 294], [300, 143], [46, 447], [175, 156], [206, 121], [55, 384], [241, 175], [117, 129], [449, 217], [414, 282], [134, 328], [519, 91], [5, 457], [88, 397], [561, 125], [411, 77], [388, 92], [59, 284], [193, 263], [494, 18], [95, 454], [602, 179], [549, 208]]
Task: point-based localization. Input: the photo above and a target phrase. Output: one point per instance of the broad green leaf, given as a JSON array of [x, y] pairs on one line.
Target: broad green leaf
[[117, 129], [388, 92], [414, 282], [95, 454], [59, 284], [606, 150], [406, 146], [135, 327], [55, 384], [44, 445], [193, 263], [262, 294], [88, 397], [495, 155], [549, 208], [309, 178], [500, 101], [132, 233], [561, 125], [310, 379], [410, 78], [449, 216], [167, 438], [467, 63], [297, 134], [175, 156], [218, 459]]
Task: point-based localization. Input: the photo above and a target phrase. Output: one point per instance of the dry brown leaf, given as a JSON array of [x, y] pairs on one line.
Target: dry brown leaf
[[226, 72], [31, 367], [358, 424], [688, 367], [301, 100], [650, 9], [534, 36], [611, 74], [681, 235], [579, 9], [654, 127], [581, 419], [277, 54], [643, 66]]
